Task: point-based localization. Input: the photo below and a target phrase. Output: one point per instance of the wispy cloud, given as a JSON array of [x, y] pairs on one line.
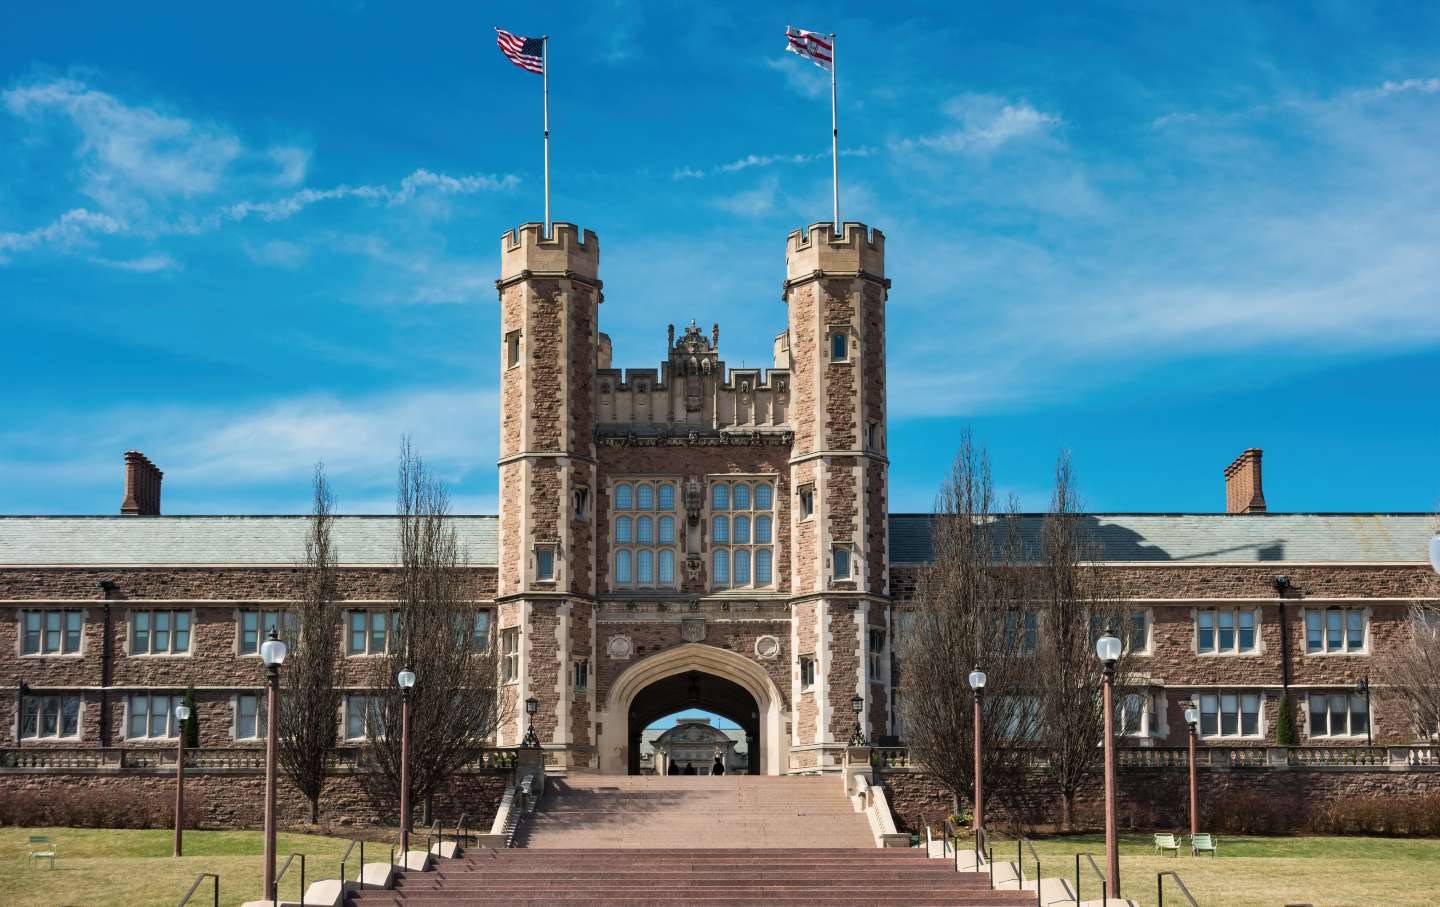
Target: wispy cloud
[[755, 202], [985, 123], [75, 227], [277, 253], [145, 264]]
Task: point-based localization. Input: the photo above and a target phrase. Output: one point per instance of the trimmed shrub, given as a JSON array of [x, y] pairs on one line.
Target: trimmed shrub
[[96, 808]]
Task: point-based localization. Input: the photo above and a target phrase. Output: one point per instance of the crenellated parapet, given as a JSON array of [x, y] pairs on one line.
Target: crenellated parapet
[[567, 252], [694, 388], [858, 251]]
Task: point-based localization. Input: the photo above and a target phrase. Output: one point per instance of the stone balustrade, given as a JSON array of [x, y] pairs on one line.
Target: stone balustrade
[[249, 759], [1395, 758]]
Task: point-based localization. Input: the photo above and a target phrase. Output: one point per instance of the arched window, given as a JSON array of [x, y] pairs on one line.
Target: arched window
[[667, 568], [622, 530], [646, 571], [722, 568], [763, 497], [742, 530], [622, 567], [667, 496], [644, 531], [622, 496], [667, 530], [642, 542], [742, 497], [644, 497]]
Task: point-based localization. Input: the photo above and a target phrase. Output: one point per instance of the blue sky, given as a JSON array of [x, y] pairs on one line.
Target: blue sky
[[244, 241]]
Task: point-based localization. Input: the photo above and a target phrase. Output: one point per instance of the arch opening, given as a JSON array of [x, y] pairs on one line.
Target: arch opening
[[729, 685], [693, 690]]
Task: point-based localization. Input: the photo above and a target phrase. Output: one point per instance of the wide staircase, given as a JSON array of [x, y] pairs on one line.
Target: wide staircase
[[695, 840]]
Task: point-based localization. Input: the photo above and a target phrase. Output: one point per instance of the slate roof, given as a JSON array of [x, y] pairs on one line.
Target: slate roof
[[1180, 538], [130, 540], [1125, 537]]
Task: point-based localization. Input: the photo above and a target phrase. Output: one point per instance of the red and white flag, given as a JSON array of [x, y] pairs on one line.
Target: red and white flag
[[812, 45], [526, 53]]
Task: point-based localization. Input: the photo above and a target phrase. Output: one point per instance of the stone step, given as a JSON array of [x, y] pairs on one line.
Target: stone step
[[717, 899]]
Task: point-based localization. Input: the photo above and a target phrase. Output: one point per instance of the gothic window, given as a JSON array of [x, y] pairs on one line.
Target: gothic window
[[741, 534], [512, 349], [54, 717], [644, 535]]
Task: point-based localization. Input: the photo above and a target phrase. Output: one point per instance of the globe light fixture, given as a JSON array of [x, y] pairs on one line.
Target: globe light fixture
[[977, 679], [406, 679], [1107, 648], [977, 683], [182, 712], [182, 715], [1192, 716], [273, 651]]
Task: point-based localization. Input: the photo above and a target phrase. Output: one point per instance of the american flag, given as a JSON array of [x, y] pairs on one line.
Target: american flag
[[526, 53], [811, 45]]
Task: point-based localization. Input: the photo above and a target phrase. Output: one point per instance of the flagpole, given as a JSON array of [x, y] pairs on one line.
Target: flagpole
[[545, 81], [834, 138]]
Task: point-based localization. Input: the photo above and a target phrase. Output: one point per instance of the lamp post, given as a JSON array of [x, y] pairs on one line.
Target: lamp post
[[1107, 649], [182, 715], [531, 741], [1363, 686], [272, 653], [977, 683], [857, 705], [1192, 717], [406, 679]]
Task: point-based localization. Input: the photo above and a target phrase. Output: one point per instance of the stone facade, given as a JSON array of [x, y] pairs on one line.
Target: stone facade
[[694, 520]]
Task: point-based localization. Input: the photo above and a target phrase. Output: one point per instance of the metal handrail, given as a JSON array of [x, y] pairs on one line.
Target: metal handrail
[[275, 889], [1160, 888], [433, 831], [193, 888], [346, 857], [1104, 882], [1020, 847], [462, 829]]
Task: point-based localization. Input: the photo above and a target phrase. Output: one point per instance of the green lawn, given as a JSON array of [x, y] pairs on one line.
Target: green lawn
[[1260, 872], [102, 867]]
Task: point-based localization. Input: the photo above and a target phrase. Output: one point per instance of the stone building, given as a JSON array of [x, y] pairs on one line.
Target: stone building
[[692, 535]]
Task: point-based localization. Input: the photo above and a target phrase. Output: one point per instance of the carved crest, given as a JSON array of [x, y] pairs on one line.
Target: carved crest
[[694, 500], [692, 629], [693, 565]]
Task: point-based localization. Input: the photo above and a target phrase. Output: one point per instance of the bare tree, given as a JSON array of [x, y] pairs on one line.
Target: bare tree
[[959, 623], [1412, 672], [454, 709], [311, 706], [1076, 602]]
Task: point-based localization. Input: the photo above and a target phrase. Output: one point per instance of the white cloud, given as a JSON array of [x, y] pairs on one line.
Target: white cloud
[[801, 76], [291, 164], [290, 205], [986, 122], [752, 202], [1404, 86], [131, 157], [145, 264], [73, 228]]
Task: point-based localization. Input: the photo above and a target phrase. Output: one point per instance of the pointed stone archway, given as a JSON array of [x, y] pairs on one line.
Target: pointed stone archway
[[770, 713]]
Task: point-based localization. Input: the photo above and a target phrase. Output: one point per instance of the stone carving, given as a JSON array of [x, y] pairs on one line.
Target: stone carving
[[692, 629], [767, 647], [619, 647], [745, 386], [781, 385], [694, 500], [693, 565]]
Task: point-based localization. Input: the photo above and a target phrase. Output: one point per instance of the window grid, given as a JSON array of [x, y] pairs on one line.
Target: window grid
[[51, 632], [369, 632], [53, 717], [1338, 714], [510, 655], [644, 534], [877, 655], [250, 716], [807, 672], [255, 627], [151, 716], [1226, 631], [1331, 630], [362, 717], [1227, 714], [160, 632], [742, 534]]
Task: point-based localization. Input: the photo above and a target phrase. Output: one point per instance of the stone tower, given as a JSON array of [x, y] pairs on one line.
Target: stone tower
[[835, 290], [550, 295]]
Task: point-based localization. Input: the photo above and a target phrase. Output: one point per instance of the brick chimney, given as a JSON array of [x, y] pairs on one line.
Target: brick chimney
[[142, 486], [1243, 493]]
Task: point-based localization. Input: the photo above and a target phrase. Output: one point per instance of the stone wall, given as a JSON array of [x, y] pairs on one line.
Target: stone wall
[[1157, 799], [235, 799]]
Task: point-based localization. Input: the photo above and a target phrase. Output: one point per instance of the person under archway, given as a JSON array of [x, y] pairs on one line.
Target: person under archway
[[719, 767], [674, 768], [689, 769]]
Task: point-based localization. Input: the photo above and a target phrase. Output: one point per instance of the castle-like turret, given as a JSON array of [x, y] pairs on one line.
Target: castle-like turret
[[550, 294]]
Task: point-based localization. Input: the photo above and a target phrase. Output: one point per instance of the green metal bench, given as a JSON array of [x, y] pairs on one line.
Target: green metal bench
[[1203, 844], [41, 848]]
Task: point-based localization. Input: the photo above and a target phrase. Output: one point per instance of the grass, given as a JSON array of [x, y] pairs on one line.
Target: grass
[[1259, 872], [135, 868]]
